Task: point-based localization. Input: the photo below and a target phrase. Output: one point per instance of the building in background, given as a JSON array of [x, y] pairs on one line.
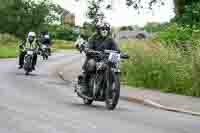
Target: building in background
[[67, 18]]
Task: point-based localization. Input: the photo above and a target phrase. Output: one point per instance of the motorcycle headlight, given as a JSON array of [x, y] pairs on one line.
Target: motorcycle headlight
[[29, 52], [114, 58], [44, 46]]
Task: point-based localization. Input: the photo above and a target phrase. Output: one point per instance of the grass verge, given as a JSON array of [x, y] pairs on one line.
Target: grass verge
[[9, 47], [8, 51], [151, 65], [62, 44]]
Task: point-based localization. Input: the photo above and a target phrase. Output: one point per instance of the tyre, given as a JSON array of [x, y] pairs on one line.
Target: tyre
[[87, 101], [49, 52], [112, 90], [27, 65], [46, 57], [27, 73]]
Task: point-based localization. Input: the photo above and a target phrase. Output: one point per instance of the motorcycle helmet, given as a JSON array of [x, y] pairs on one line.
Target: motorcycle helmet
[[31, 36], [104, 29], [46, 36]]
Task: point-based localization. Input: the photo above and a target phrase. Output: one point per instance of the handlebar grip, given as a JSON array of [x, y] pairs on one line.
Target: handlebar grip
[[124, 56], [89, 51]]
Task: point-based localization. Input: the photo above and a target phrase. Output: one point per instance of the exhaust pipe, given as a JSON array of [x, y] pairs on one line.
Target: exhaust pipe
[[80, 94]]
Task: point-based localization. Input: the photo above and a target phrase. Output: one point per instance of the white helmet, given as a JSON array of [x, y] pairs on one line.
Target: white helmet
[[31, 34], [46, 37]]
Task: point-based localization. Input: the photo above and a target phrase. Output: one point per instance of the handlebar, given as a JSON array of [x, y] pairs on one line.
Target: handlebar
[[111, 51], [83, 47], [89, 51], [122, 55], [29, 49]]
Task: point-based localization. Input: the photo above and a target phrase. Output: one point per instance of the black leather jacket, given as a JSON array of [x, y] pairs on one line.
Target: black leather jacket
[[45, 41], [100, 43]]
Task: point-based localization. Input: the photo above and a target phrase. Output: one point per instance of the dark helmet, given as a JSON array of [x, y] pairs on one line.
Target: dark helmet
[[104, 26], [81, 35], [43, 33]]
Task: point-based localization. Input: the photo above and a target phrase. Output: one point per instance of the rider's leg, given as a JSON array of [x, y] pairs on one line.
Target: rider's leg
[[82, 79], [34, 61], [88, 66], [21, 59]]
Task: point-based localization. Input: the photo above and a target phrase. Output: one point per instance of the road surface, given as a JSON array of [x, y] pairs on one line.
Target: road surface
[[43, 103]]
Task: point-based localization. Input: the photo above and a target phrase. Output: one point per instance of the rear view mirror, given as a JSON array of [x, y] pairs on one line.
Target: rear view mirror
[[124, 56]]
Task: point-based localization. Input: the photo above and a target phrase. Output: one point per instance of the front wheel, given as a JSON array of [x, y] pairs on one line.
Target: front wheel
[[45, 57], [87, 101], [27, 73], [49, 52], [112, 90]]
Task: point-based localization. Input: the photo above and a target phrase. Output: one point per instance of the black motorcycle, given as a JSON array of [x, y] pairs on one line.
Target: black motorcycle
[[44, 51], [103, 81], [28, 61]]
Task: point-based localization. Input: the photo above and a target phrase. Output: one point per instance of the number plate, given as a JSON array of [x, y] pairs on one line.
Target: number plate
[[114, 57], [29, 52], [44, 46]]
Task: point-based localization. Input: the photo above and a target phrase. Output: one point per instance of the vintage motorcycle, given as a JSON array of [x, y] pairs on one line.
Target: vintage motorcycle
[[44, 51], [28, 59], [103, 80]]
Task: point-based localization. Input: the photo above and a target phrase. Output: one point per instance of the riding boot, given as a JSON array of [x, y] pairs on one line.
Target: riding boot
[[83, 83]]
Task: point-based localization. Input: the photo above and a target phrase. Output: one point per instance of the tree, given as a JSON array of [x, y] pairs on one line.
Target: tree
[[188, 13], [20, 16], [139, 4], [186, 10], [87, 30], [95, 13], [63, 32]]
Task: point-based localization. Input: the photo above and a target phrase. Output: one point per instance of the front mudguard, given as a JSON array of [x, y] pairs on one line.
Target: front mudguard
[[28, 63]]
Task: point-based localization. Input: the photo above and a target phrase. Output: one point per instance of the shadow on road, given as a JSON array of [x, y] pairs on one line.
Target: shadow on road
[[30, 74], [97, 107]]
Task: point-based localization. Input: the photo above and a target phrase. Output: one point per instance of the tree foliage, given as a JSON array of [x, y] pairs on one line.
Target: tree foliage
[[95, 13], [144, 4], [63, 32], [191, 14], [20, 16], [96, 7], [87, 30]]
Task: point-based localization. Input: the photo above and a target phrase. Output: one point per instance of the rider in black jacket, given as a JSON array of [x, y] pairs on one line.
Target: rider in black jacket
[[45, 39], [100, 41]]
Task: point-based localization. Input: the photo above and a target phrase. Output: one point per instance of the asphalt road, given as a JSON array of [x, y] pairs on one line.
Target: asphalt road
[[43, 103]]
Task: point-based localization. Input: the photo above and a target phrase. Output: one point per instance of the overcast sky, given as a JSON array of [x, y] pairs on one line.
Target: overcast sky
[[121, 15]]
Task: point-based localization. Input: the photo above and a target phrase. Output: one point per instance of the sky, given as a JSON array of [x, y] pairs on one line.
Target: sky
[[121, 15]]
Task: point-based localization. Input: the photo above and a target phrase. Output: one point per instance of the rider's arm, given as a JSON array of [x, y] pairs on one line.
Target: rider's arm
[[22, 45], [38, 44], [114, 45], [50, 42], [91, 41]]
